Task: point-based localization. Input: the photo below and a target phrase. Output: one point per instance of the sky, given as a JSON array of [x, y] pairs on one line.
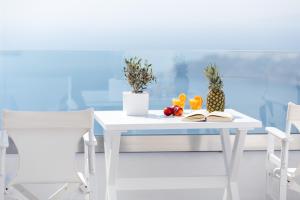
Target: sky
[[144, 24]]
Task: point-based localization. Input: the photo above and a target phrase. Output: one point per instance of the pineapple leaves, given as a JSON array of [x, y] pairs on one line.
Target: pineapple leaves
[[213, 76], [137, 74]]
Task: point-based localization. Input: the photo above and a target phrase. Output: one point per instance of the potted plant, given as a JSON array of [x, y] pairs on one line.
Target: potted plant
[[139, 74]]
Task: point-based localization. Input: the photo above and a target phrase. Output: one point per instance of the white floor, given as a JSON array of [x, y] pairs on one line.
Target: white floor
[[252, 176]]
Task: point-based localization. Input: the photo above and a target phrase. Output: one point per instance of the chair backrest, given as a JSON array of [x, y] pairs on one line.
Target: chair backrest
[[293, 117], [47, 143]]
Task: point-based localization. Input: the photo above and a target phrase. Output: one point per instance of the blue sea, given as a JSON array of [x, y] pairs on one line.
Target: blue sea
[[257, 83]]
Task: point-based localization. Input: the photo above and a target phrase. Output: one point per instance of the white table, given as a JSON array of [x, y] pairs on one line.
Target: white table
[[115, 123]]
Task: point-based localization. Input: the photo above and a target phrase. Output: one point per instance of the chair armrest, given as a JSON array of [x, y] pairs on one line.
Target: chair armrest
[[277, 133], [90, 144], [3, 139], [86, 139]]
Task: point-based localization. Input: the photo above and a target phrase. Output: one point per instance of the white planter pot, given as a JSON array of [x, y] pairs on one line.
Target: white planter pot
[[135, 104]]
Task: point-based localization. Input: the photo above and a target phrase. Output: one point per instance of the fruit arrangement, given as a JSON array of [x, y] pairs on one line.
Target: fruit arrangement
[[196, 103], [178, 105], [215, 100], [180, 101], [173, 110]]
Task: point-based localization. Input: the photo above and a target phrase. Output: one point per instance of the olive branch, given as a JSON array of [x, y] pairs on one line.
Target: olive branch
[[138, 74]]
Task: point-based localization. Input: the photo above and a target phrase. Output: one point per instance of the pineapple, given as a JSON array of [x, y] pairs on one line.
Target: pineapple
[[215, 100]]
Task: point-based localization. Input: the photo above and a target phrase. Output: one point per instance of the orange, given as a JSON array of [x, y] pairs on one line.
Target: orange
[[182, 97], [194, 104], [199, 99], [177, 102]]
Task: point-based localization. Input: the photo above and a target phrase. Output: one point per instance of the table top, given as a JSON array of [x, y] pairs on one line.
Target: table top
[[119, 121]]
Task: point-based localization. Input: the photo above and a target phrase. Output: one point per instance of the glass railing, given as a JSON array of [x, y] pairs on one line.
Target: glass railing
[[257, 83]]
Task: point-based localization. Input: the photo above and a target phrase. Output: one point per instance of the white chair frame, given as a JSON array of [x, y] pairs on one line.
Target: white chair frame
[[85, 182], [277, 167]]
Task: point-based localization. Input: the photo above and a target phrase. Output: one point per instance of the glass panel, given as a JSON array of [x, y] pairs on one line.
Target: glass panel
[[257, 83]]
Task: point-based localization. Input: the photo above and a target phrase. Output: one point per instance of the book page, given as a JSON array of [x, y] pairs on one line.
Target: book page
[[198, 115], [218, 116]]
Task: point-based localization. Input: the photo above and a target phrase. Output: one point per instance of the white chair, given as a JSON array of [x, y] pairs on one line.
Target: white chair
[[47, 143], [277, 167]]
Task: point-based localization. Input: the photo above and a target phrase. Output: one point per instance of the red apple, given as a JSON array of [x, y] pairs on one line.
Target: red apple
[[178, 111], [168, 111], [175, 106]]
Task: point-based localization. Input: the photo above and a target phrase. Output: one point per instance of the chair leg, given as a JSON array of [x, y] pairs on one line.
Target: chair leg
[[86, 162], [269, 167], [283, 171], [283, 187], [90, 165], [93, 187], [268, 186], [59, 192], [69, 191], [90, 176], [268, 180]]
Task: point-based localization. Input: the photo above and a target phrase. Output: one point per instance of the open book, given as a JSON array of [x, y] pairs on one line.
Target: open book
[[203, 115]]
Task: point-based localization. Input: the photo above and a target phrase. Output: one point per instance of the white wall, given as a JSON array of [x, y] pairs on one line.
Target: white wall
[[252, 174], [149, 24]]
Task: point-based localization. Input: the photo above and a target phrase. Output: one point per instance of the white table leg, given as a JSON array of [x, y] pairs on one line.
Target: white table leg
[[112, 149], [226, 146], [232, 190]]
